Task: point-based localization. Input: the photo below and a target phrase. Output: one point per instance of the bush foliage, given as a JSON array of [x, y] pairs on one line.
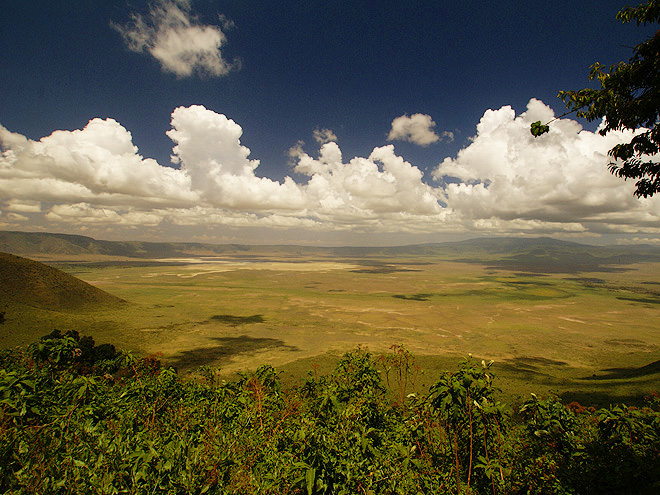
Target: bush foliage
[[84, 419]]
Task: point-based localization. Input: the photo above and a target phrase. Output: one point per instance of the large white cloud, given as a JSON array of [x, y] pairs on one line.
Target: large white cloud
[[381, 183], [82, 213], [504, 181], [98, 163], [95, 175], [507, 177], [210, 152], [174, 37]]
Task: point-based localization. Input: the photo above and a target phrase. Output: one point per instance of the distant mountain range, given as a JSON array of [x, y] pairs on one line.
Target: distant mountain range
[[524, 253]]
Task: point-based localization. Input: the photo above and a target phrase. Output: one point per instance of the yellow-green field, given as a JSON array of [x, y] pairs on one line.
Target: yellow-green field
[[592, 336]]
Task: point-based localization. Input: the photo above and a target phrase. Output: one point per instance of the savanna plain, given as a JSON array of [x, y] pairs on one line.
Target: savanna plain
[[590, 336]]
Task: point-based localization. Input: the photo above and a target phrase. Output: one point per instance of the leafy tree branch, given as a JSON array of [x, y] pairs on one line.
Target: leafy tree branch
[[628, 99]]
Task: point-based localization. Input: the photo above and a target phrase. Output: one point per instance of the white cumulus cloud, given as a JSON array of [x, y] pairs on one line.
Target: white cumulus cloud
[[23, 206], [17, 217], [323, 136], [367, 188], [507, 177], [209, 151], [504, 181], [417, 128], [97, 163], [172, 34]]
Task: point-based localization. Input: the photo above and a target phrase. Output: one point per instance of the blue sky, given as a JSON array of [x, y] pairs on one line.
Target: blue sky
[[395, 91]]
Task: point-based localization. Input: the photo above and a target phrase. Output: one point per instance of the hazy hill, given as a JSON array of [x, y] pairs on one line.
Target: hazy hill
[[26, 243], [521, 253], [33, 243], [35, 284]]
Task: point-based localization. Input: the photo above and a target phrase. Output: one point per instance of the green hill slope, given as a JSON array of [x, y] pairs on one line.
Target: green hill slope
[[34, 284]]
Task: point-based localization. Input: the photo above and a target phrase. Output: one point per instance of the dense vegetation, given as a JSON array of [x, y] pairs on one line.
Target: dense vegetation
[[80, 418]]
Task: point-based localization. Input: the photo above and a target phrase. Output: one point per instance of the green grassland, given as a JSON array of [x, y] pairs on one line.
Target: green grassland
[[587, 335]]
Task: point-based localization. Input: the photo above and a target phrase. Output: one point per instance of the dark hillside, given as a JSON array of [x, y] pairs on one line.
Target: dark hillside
[[34, 284]]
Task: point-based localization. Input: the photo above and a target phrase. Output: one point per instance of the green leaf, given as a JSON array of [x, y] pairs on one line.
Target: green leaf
[[538, 129], [311, 474]]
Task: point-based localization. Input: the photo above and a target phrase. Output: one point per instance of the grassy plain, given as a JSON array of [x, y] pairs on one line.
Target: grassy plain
[[590, 336]]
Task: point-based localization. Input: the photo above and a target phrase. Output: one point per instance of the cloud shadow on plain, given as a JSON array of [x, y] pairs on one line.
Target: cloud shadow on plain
[[627, 373], [226, 349], [234, 320]]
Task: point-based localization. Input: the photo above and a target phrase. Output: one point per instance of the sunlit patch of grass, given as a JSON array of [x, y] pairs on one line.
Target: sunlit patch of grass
[[235, 320]]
